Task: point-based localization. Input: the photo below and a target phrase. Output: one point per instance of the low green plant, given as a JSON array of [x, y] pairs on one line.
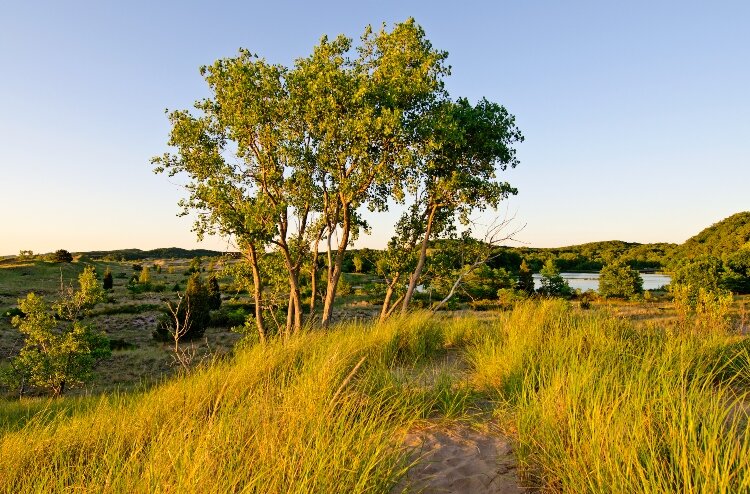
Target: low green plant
[[59, 350]]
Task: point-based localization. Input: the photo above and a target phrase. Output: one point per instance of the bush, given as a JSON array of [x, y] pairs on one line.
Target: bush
[[228, 318], [145, 276], [192, 313], [59, 351], [107, 281], [553, 285], [214, 293], [618, 280], [62, 255]]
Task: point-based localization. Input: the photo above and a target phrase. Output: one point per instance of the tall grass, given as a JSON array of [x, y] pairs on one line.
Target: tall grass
[[594, 403], [597, 405], [323, 412]]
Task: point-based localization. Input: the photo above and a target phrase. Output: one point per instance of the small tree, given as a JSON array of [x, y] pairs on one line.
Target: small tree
[[145, 276], [703, 272], [525, 281], [618, 280], [214, 293], [358, 263], [62, 255], [553, 285], [59, 351], [193, 313], [108, 282]]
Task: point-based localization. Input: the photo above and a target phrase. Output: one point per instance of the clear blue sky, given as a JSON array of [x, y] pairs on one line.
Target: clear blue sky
[[636, 114]]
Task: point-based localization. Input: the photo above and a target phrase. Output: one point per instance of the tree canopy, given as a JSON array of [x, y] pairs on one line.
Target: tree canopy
[[283, 158]]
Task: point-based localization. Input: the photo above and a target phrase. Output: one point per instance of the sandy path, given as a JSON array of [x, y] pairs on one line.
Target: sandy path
[[458, 459]]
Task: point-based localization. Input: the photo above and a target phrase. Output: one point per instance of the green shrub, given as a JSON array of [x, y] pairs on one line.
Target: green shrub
[[108, 282], [192, 313], [62, 255], [618, 280], [553, 285]]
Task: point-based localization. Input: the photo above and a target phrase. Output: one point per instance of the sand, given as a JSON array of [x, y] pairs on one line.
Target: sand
[[458, 459]]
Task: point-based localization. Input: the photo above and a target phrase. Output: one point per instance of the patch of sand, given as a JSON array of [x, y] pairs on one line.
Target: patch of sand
[[458, 459]]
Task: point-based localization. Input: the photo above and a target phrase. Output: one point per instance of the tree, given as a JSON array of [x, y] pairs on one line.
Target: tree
[[108, 282], [553, 285], [279, 157], [358, 263], [59, 351], [459, 150], [736, 275], [701, 273], [214, 293], [62, 255], [145, 277], [193, 313], [704, 271], [618, 280], [525, 281]]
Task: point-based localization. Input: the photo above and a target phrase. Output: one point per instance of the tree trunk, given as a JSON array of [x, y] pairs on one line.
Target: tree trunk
[[294, 311], [314, 274], [335, 275], [414, 278], [257, 293], [386, 310]]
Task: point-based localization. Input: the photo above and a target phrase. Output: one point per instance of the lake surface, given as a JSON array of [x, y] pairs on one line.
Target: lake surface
[[590, 281]]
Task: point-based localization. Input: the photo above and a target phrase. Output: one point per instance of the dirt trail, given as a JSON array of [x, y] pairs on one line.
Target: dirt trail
[[458, 459]]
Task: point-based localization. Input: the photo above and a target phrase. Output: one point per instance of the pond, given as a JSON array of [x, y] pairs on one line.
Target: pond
[[590, 281]]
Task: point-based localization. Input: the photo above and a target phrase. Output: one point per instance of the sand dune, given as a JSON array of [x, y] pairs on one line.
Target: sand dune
[[458, 459]]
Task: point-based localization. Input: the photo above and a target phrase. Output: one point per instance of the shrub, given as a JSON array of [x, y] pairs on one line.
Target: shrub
[[62, 255], [553, 285], [525, 281], [59, 351], [145, 277], [107, 281], [214, 293], [618, 280], [192, 313]]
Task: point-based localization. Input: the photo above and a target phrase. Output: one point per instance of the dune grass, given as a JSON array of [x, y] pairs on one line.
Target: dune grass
[[323, 412], [594, 403], [597, 405]]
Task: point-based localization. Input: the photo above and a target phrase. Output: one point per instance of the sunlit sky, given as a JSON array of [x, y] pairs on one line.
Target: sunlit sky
[[636, 114]]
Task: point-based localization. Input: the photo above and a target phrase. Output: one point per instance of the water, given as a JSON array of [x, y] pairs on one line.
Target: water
[[590, 281]]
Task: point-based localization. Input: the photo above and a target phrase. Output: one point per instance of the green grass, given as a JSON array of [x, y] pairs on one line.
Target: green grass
[[593, 402]]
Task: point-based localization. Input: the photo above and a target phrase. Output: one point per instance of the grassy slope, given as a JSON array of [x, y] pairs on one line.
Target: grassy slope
[[595, 404]]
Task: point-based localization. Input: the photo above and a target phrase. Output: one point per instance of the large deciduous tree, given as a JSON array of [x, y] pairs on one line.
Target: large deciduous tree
[[460, 148], [279, 156]]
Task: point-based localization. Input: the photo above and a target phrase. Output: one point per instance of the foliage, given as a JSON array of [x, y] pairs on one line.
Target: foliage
[[62, 255], [485, 283], [193, 313], [59, 351], [720, 239], [700, 273], [701, 310], [552, 284], [214, 293], [736, 275], [617, 280], [358, 263], [107, 281], [525, 281], [145, 277]]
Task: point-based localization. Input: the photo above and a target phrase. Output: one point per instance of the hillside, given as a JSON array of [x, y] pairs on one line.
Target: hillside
[[720, 239], [161, 253]]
